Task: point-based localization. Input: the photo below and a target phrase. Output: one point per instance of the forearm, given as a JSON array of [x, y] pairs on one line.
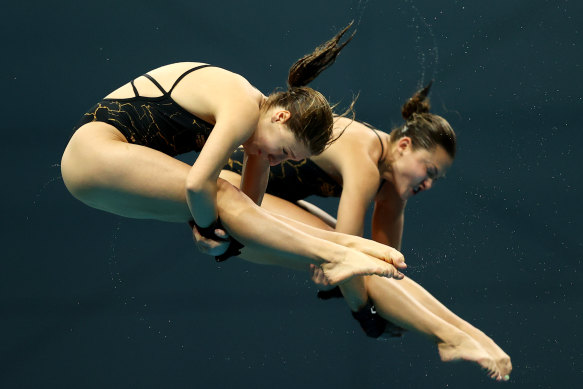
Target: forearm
[[389, 232], [387, 223], [392, 233], [351, 221], [201, 200], [254, 178]]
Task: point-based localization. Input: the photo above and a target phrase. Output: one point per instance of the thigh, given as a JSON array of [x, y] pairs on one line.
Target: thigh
[[103, 170]]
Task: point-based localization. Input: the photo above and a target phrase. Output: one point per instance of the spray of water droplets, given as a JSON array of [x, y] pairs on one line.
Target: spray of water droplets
[[425, 44], [130, 302], [358, 11], [36, 199]]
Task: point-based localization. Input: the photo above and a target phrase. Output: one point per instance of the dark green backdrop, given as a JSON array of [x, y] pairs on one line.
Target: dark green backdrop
[[90, 300]]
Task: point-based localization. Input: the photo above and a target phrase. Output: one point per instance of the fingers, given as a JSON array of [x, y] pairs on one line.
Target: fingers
[[210, 246], [388, 271], [397, 275], [318, 277], [221, 233], [397, 259]]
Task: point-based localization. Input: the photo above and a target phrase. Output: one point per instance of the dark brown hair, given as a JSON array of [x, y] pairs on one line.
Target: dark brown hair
[[425, 129], [311, 118]]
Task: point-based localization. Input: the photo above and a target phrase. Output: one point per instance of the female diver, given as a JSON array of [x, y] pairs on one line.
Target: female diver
[[367, 166], [120, 160]]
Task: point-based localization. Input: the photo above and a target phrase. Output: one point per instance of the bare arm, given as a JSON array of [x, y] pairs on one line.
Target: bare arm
[[388, 217], [255, 177], [351, 213], [235, 123]]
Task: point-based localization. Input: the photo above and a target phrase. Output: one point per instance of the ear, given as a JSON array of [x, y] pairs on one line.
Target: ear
[[404, 144], [280, 116]]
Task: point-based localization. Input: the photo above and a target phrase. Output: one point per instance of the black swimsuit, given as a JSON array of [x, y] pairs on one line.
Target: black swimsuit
[[293, 180], [162, 124], [155, 122]]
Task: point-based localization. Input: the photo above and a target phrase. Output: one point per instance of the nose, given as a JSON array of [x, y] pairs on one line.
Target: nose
[[273, 160], [427, 184], [276, 159]]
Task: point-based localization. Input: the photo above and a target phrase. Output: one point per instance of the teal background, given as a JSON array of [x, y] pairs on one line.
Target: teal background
[[92, 300]]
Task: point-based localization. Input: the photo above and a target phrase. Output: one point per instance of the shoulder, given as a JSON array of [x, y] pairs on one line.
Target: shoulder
[[357, 144], [214, 92], [353, 132]]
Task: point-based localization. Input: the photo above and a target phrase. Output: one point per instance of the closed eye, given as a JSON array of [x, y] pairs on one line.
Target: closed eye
[[432, 173]]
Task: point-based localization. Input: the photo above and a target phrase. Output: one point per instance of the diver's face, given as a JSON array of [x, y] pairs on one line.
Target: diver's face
[[417, 170], [274, 141]]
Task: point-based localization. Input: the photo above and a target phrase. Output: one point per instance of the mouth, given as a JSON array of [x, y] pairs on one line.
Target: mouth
[[417, 189]]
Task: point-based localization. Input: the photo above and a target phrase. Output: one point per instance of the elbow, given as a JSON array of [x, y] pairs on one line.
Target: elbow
[[195, 184]]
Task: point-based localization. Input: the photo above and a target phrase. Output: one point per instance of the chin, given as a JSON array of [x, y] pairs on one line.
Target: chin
[[407, 195]]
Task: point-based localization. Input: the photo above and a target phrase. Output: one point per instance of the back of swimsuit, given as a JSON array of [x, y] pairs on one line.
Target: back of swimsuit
[[155, 122], [293, 180]]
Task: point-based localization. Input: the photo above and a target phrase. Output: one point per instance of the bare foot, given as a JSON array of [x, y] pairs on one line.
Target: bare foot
[[466, 348], [354, 263], [375, 249], [500, 357]]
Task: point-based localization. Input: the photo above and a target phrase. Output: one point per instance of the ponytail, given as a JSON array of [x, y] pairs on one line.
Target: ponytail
[[311, 118], [307, 68], [418, 103], [425, 129]]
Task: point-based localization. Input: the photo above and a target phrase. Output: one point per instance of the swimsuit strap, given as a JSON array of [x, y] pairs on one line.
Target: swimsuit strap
[[381, 185], [135, 90], [382, 150], [378, 136], [155, 83], [185, 74]]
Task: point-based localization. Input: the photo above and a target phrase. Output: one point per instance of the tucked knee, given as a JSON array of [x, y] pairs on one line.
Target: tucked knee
[[230, 199], [79, 178]]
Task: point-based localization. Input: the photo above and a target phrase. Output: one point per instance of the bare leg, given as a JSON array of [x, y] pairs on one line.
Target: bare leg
[[412, 307], [298, 218], [407, 304], [101, 169], [270, 240]]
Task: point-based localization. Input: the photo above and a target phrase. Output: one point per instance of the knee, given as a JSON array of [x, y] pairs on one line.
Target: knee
[[78, 179], [226, 190], [226, 193], [70, 174], [230, 198], [231, 177]]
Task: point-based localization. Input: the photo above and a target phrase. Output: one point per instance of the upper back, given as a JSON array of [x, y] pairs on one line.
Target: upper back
[[203, 92], [354, 156]]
